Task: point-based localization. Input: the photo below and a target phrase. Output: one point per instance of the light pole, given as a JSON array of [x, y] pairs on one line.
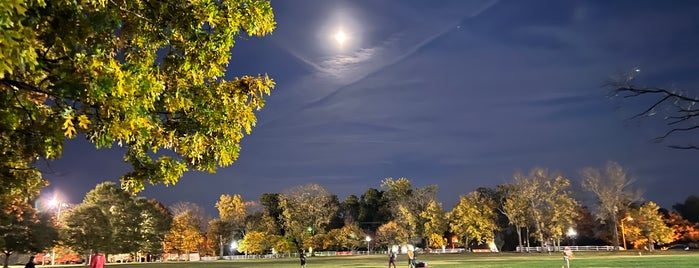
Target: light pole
[[572, 234], [368, 248], [623, 232], [56, 204]]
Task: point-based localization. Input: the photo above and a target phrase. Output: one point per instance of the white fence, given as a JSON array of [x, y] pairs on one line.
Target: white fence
[[574, 248]]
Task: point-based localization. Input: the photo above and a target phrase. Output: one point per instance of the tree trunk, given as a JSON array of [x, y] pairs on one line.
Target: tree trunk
[[519, 236], [527, 239], [615, 233]]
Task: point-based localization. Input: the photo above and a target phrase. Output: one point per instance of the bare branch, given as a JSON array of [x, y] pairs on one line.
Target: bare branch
[[680, 117]]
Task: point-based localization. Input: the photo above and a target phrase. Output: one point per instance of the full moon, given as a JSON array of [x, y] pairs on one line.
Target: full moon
[[340, 37]]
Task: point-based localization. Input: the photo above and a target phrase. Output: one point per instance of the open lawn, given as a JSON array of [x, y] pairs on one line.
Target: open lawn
[[485, 260]]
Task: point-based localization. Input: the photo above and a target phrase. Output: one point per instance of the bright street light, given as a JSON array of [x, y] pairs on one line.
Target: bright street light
[[368, 240], [57, 204]]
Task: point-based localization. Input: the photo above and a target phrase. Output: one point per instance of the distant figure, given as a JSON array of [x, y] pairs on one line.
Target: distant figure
[[303, 260], [411, 258], [567, 255], [30, 263], [392, 260], [97, 261]]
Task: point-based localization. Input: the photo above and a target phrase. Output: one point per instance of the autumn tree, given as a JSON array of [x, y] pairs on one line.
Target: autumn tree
[[256, 243], [436, 223], [561, 209], [391, 233], [676, 107], [306, 210], [320, 241], [147, 76], [407, 203], [549, 204], [683, 230], [473, 218], [349, 237], [272, 212], [185, 235], [232, 209], [612, 189], [513, 204], [26, 231], [232, 214], [648, 227]]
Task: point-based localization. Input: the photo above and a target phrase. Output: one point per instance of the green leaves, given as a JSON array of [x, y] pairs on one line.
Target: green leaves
[[139, 74]]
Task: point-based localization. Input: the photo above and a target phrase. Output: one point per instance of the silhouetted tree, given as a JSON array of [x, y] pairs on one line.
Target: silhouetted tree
[[689, 209]]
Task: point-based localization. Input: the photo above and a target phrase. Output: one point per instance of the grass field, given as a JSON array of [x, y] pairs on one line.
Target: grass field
[[485, 260]]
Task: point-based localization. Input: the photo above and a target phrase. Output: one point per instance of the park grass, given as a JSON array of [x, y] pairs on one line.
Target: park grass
[[484, 260]]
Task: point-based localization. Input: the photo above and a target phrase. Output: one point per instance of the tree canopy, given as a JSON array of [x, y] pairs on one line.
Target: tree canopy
[[145, 75]]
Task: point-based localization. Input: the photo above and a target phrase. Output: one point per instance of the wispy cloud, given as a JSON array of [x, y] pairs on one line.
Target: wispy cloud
[[335, 72]]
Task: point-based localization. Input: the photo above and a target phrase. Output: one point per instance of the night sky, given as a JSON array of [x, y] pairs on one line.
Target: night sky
[[461, 94]]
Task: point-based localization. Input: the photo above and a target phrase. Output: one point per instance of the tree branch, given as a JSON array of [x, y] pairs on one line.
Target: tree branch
[[680, 118]]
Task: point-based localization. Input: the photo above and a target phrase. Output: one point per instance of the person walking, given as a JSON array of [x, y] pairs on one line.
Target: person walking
[[567, 255], [30, 263], [392, 259], [302, 257], [411, 258], [98, 260]]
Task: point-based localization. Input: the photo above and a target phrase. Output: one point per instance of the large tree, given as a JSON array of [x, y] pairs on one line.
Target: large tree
[[232, 212], [407, 203], [473, 218], [612, 189], [306, 210], [390, 234], [154, 221], [108, 217], [647, 227], [548, 203], [145, 75], [513, 204], [185, 234], [436, 223], [689, 209], [87, 228], [373, 209], [27, 231]]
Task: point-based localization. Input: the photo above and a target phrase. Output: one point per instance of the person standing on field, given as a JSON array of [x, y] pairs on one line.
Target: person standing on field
[[392, 260], [411, 258], [567, 255], [97, 261], [302, 257]]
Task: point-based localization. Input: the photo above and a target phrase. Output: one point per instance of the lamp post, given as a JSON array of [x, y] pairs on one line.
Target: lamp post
[[368, 248], [623, 232], [55, 203], [572, 234]]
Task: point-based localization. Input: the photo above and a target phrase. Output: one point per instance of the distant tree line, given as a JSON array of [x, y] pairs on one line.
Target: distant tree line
[[533, 209]]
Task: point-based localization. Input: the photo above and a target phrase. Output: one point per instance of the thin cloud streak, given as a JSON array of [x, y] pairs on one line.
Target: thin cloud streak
[[341, 71]]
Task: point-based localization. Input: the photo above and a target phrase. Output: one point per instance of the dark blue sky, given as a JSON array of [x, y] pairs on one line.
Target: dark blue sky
[[461, 94]]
